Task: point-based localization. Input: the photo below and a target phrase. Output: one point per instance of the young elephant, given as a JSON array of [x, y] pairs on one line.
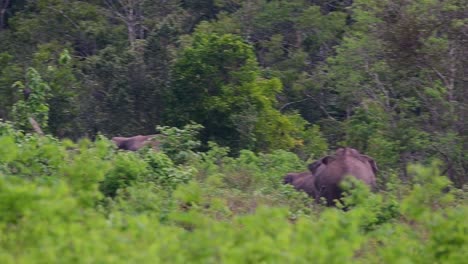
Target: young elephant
[[136, 142], [302, 181], [329, 171]]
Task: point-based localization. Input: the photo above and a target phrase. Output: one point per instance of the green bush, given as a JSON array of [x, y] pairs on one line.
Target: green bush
[[62, 202], [127, 167], [164, 171], [179, 143]]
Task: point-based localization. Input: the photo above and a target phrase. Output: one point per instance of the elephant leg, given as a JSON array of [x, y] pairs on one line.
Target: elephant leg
[[332, 193]]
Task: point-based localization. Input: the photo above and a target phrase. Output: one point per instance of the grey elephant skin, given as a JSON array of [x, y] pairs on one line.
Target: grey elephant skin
[[302, 181], [330, 171], [137, 142]]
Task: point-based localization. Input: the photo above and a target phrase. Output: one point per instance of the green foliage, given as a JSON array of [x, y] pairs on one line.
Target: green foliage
[[218, 85], [314, 145], [48, 94], [7, 129], [210, 209], [179, 143], [164, 172], [126, 169], [10, 72], [258, 75], [141, 198], [385, 77], [189, 194], [370, 131], [429, 190], [127, 78], [57, 68], [153, 168], [35, 105], [448, 242]]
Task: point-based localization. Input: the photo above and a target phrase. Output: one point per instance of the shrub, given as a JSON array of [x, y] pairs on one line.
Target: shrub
[[127, 167], [179, 143], [210, 209]]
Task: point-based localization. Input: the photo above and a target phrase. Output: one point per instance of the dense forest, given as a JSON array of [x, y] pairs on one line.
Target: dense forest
[[242, 92]]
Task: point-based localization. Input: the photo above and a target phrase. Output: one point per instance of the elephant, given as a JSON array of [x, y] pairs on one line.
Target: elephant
[[302, 181], [329, 172], [137, 142]]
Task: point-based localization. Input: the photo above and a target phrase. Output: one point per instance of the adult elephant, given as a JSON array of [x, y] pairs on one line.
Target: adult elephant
[[137, 142], [330, 171], [302, 181]]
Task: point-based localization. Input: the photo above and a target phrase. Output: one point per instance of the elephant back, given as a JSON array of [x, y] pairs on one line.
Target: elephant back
[[331, 170]]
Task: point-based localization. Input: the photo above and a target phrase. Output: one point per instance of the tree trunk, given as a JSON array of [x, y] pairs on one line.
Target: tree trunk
[[3, 7]]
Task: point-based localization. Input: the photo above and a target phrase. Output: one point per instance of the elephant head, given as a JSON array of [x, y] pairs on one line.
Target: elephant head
[[329, 171], [136, 142], [302, 181]]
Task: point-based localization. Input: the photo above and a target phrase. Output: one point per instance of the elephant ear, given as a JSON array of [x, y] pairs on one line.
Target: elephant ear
[[372, 163], [315, 165]]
